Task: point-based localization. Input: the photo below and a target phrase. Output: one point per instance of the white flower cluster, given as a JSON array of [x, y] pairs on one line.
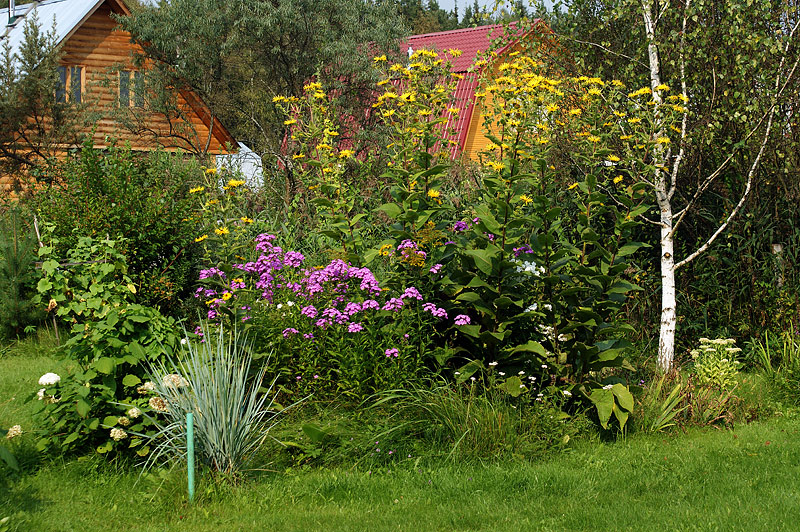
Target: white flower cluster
[[173, 380], [118, 434], [531, 267], [14, 431], [158, 404], [147, 387], [133, 413], [49, 379]]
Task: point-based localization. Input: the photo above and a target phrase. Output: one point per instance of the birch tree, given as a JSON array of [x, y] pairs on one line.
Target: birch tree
[[668, 161], [734, 62]]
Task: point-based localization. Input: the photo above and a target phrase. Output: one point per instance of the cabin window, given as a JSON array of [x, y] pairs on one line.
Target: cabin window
[[70, 84], [131, 89]]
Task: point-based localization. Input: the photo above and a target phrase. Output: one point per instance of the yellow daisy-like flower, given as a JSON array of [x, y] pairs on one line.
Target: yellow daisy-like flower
[[662, 140], [573, 185], [593, 138], [277, 99], [433, 194], [454, 110], [200, 238], [617, 83], [382, 82], [298, 156], [617, 179], [387, 114], [221, 230], [551, 108], [525, 199], [424, 112], [210, 171], [289, 122], [594, 91], [331, 133], [620, 114], [379, 59], [625, 137], [575, 112], [453, 52], [542, 140], [233, 183], [226, 296], [211, 202], [386, 250], [324, 146], [195, 190], [312, 87], [613, 158], [634, 120], [497, 167], [662, 87], [246, 220], [345, 154]]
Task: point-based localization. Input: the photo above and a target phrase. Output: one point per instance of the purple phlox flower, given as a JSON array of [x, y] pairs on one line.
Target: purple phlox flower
[[298, 377], [476, 220], [394, 304], [490, 236], [245, 318], [198, 331], [322, 323], [435, 268], [212, 314], [460, 226], [245, 307], [308, 336], [264, 242], [236, 285], [433, 309], [211, 272], [407, 244], [393, 352], [352, 308], [370, 304], [355, 327], [411, 292], [289, 330], [316, 376], [462, 319], [449, 242], [335, 315], [309, 311], [522, 249], [293, 258]]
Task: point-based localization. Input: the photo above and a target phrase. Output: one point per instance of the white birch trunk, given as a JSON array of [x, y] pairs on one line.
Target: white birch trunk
[[666, 337]]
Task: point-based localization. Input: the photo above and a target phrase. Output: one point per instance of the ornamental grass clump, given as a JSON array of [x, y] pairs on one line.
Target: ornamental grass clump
[[232, 413]]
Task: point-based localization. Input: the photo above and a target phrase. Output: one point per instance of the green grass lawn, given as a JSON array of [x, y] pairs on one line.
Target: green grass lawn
[[742, 479]]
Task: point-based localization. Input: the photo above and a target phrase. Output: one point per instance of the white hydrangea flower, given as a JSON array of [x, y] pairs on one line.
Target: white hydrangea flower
[[14, 431], [158, 404], [40, 393], [173, 380], [49, 379], [146, 388], [123, 421], [118, 434], [133, 413]]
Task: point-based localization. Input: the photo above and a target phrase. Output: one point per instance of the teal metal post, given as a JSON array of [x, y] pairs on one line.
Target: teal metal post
[[190, 452]]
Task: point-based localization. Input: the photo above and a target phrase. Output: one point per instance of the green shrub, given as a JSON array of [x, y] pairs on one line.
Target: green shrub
[[18, 274], [111, 339], [140, 200]]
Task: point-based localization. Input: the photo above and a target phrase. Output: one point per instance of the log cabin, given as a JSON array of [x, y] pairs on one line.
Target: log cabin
[[97, 70]]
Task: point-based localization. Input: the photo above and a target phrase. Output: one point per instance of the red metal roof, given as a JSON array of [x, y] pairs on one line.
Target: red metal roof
[[471, 42]]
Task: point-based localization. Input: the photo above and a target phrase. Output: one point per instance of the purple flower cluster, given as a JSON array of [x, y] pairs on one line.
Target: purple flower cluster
[[411, 292], [434, 310], [460, 226], [435, 268], [522, 250], [462, 319], [393, 352], [211, 272]]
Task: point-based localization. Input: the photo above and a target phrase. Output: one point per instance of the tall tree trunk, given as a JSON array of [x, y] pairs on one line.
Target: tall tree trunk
[[666, 338]]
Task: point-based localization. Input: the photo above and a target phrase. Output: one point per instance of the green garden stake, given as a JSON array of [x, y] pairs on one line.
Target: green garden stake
[[190, 452]]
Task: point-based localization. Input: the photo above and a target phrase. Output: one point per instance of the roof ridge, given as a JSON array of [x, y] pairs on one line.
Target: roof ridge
[[460, 30]]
